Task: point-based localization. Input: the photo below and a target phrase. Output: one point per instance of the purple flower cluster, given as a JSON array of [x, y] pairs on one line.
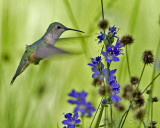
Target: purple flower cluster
[[81, 104], [71, 121], [114, 86], [112, 53], [112, 33], [98, 67], [101, 37]]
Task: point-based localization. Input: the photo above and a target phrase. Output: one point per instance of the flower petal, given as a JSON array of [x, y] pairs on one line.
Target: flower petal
[[75, 116], [115, 59], [65, 122], [68, 115], [77, 121], [104, 54]]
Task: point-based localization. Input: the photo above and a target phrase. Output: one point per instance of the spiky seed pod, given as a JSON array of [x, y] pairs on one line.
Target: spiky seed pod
[[148, 92], [148, 57], [119, 106], [126, 40], [103, 24], [152, 124], [155, 99], [139, 101], [134, 80], [102, 90], [137, 94], [97, 81], [128, 91], [140, 114]]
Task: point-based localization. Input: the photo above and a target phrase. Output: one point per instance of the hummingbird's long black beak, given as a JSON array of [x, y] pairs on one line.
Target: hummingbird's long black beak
[[74, 30]]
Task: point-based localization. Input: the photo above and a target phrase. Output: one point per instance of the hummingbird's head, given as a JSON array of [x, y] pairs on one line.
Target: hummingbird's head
[[55, 30], [58, 28]]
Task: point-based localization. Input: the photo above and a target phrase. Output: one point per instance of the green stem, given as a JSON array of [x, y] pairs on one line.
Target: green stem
[[129, 71], [99, 117], [151, 113], [130, 106], [122, 119], [111, 113], [141, 75], [82, 120], [95, 113], [151, 83], [105, 117], [102, 9]]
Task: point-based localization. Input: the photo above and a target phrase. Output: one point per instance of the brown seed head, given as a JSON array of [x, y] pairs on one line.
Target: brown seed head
[[126, 40], [119, 106], [139, 101], [148, 57], [155, 99], [103, 24], [140, 114], [102, 90], [97, 81], [128, 91], [134, 80], [148, 92]]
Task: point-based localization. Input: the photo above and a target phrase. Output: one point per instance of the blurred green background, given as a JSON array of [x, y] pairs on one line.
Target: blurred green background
[[38, 98]]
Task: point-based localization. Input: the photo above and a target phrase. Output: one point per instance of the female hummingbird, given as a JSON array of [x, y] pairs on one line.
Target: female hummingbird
[[42, 48]]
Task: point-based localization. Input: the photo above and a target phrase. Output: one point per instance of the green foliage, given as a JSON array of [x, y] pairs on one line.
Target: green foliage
[[38, 98]]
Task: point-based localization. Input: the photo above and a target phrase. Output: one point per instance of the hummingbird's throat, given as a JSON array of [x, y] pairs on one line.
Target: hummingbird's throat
[[51, 38]]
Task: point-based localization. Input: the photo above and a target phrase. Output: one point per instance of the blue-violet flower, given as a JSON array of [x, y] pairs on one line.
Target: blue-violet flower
[[71, 121]]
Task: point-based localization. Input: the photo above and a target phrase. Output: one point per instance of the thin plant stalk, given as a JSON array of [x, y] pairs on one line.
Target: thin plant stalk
[[122, 119], [130, 106], [111, 113], [151, 83], [141, 75], [105, 118], [95, 114], [129, 71], [99, 117]]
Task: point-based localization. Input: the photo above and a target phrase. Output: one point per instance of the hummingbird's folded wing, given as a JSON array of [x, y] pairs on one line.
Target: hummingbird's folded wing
[[48, 51]]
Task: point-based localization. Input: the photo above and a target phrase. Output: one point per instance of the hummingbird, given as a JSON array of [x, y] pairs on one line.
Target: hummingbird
[[42, 48]]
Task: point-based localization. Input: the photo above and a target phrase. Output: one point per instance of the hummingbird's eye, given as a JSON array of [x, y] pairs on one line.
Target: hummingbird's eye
[[58, 27]]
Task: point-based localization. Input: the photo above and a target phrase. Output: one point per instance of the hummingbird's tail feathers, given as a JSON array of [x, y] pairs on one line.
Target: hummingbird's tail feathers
[[48, 51], [20, 69]]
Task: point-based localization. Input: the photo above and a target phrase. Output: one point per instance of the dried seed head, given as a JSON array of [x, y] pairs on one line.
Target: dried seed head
[[128, 91], [152, 124], [140, 114], [148, 92], [126, 40], [103, 24], [155, 99], [139, 101], [134, 80], [128, 88], [137, 94], [97, 81], [102, 90], [148, 57], [119, 106]]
